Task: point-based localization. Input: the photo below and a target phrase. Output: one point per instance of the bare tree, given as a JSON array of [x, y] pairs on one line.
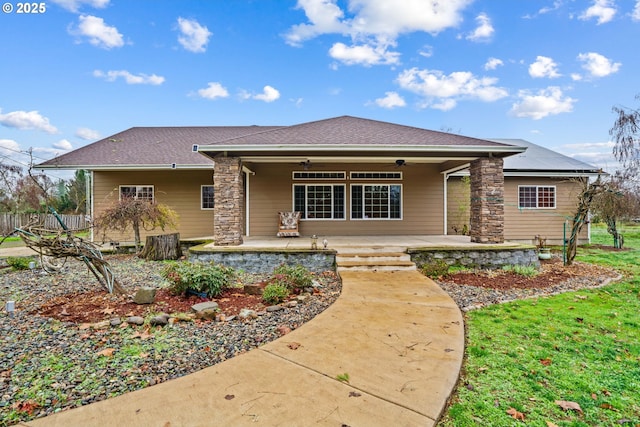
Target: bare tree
[[626, 135], [585, 200]]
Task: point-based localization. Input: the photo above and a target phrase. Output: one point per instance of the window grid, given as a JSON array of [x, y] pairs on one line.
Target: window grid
[[319, 201], [319, 175], [536, 197], [138, 192], [376, 201], [207, 197], [376, 175]]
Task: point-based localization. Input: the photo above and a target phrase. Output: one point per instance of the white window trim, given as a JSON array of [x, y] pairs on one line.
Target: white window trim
[[153, 189], [352, 173], [342, 178], [316, 184], [351, 218], [555, 197], [202, 208]]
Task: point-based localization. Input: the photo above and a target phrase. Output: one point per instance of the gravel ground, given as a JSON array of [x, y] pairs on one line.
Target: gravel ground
[[47, 365]]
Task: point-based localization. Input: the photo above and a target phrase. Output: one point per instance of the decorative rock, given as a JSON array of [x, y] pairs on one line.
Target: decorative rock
[[292, 304], [207, 305], [273, 308], [145, 296], [160, 320], [207, 314], [115, 321], [221, 317], [135, 320], [245, 313], [253, 289], [101, 325], [302, 298]]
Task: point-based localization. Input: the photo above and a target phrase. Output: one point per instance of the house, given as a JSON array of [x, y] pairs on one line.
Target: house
[[346, 175], [541, 192]]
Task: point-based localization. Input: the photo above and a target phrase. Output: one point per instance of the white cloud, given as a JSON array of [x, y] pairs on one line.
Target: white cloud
[[483, 31], [635, 15], [598, 65], [602, 10], [434, 85], [374, 24], [493, 63], [195, 37], [63, 144], [269, 94], [25, 120], [9, 147], [131, 79], [99, 33], [390, 101], [75, 5], [366, 55], [87, 134], [550, 101], [213, 90], [544, 67], [445, 105]]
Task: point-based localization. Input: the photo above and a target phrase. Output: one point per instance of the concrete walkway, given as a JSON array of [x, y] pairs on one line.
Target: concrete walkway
[[397, 335]]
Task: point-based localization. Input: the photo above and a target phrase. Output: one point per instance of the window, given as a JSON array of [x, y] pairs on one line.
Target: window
[[318, 175], [376, 201], [536, 197], [139, 192], [376, 175], [206, 197], [319, 201]]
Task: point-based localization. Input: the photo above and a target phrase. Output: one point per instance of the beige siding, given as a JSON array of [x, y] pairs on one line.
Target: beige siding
[[271, 190], [178, 189], [522, 225]]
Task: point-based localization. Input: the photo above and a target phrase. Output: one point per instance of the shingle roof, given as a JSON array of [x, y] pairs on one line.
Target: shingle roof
[[160, 147], [538, 158], [355, 131], [152, 146]]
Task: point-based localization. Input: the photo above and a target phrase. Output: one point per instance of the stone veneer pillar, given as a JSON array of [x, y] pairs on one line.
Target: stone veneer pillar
[[487, 201], [228, 193]]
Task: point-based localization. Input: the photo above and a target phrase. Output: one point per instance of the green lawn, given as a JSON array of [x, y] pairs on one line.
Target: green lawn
[[580, 347]]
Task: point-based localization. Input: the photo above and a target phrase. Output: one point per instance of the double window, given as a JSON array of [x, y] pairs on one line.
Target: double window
[[380, 201], [536, 197], [138, 192]]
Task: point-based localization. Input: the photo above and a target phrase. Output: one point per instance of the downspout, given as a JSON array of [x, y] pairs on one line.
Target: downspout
[[445, 187]]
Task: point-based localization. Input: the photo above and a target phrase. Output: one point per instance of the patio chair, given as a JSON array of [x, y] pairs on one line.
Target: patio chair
[[288, 224]]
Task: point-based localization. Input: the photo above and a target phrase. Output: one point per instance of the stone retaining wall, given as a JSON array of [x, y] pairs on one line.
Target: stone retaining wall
[[261, 261], [491, 258]]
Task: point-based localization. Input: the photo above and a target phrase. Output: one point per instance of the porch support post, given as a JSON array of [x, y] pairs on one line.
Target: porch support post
[[487, 200], [228, 196]]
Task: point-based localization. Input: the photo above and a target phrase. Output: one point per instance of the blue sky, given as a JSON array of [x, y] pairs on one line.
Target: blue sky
[[542, 70]]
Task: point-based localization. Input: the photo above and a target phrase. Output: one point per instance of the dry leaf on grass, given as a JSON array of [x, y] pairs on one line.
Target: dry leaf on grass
[[108, 352], [517, 415], [566, 405], [550, 424]]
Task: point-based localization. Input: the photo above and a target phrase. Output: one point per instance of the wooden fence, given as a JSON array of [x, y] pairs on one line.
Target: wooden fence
[[9, 222]]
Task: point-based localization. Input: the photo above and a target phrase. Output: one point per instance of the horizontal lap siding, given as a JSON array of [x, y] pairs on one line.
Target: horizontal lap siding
[[271, 190], [524, 224], [180, 190]]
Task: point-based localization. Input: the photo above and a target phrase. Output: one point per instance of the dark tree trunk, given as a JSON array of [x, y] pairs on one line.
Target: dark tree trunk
[[162, 247]]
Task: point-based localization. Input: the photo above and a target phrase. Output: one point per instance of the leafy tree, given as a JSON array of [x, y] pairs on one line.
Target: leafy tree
[[33, 192], [626, 135], [136, 213]]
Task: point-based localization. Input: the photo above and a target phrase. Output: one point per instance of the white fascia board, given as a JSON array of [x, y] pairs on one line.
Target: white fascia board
[[124, 167], [358, 147], [541, 174]]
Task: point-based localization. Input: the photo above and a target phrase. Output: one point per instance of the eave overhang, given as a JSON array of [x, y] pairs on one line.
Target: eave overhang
[[131, 167]]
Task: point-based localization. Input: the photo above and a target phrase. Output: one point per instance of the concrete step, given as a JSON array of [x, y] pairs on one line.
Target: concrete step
[[375, 261]]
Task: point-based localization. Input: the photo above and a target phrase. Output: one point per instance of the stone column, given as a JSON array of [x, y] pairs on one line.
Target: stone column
[[487, 201], [228, 193]]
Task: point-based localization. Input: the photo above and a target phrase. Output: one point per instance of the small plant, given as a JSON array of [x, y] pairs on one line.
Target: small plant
[[275, 292], [209, 278], [522, 270], [435, 268], [343, 377], [296, 277], [19, 263]]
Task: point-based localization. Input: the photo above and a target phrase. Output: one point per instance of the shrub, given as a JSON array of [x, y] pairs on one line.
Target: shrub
[[209, 278], [275, 292], [19, 263], [295, 277], [435, 268]]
